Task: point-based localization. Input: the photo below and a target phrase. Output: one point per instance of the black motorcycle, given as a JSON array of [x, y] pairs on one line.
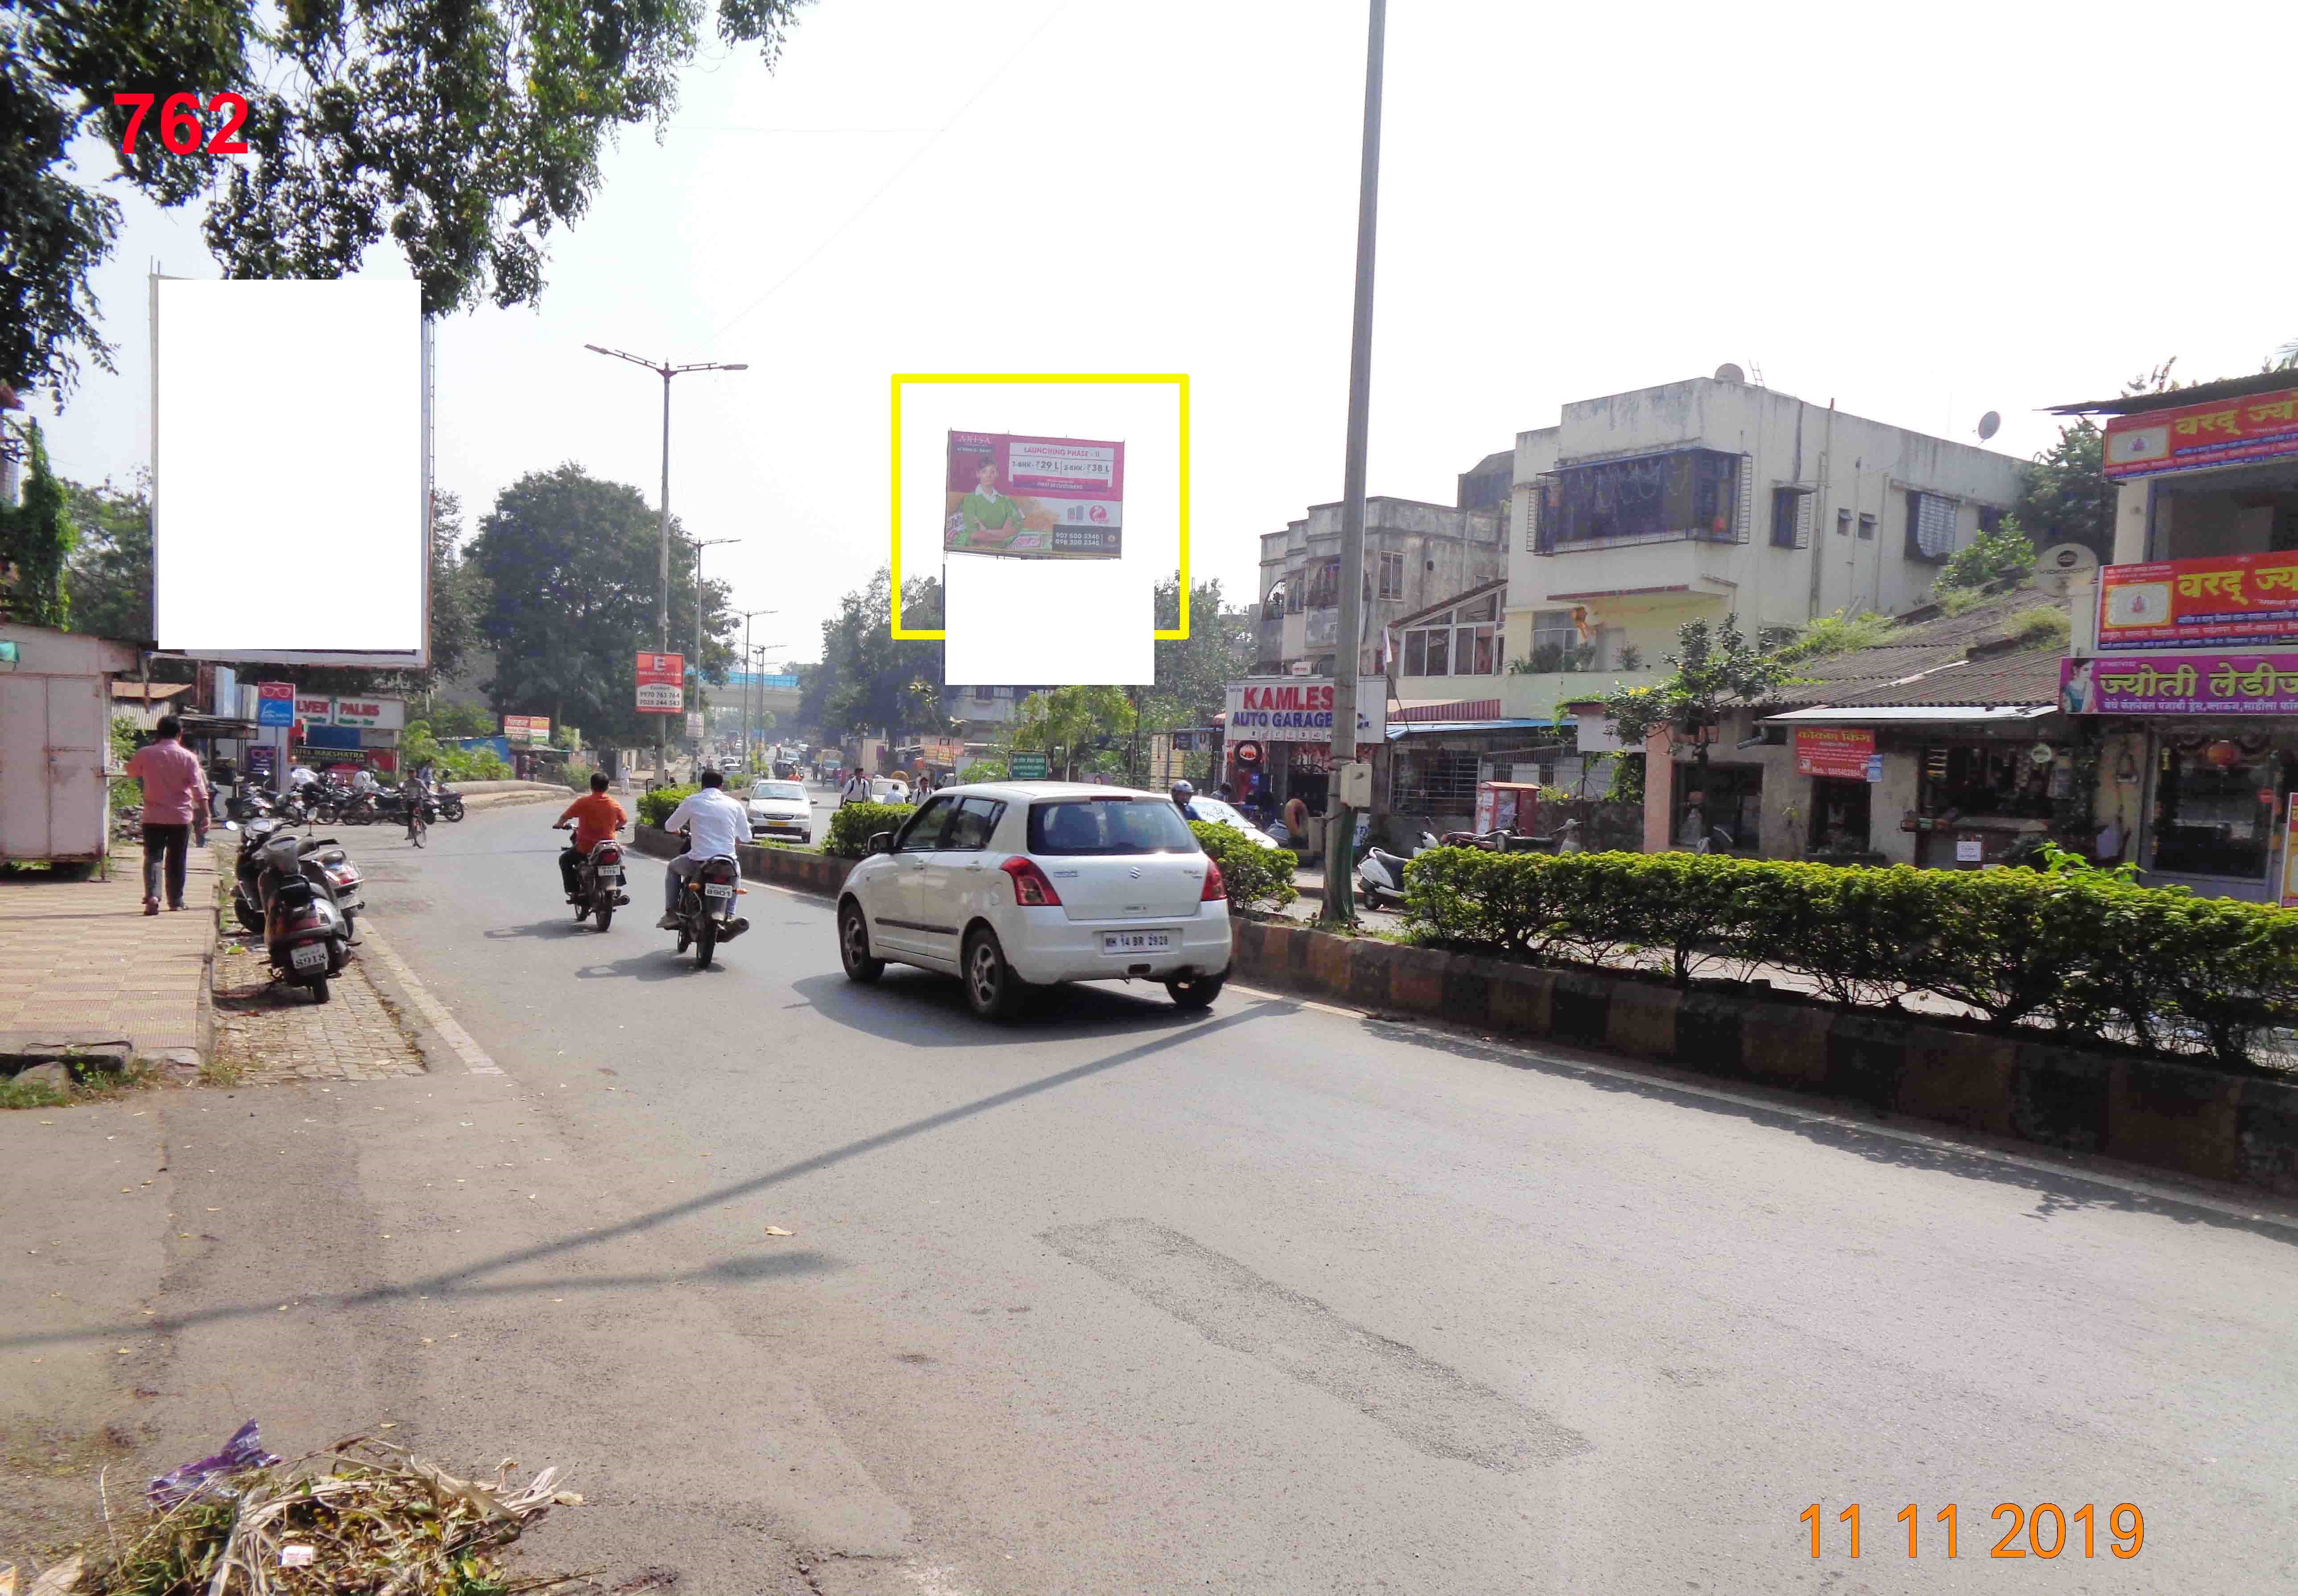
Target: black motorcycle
[[450, 802], [598, 881], [706, 909]]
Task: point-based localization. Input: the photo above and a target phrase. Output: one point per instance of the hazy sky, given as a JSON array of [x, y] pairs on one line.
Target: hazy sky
[[1923, 215]]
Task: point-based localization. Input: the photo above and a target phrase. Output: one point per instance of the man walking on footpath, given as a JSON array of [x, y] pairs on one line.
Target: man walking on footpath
[[175, 801]]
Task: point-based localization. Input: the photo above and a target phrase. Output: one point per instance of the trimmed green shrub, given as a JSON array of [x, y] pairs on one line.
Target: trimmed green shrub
[[852, 826], [1253, 874], [2080, 950], [655, 806]]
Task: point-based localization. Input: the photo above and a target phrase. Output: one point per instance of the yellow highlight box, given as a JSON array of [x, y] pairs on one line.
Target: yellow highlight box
[[1180, 382]]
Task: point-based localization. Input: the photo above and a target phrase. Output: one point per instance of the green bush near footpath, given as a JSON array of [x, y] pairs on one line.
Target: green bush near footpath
[[655, 806], [1253, 874], [2081, 951], [853, 825]]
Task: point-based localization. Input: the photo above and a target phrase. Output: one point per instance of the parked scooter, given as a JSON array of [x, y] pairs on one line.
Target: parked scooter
[[305, 936], [323, 863], [599, 881], [705, 908], [1381, 874]]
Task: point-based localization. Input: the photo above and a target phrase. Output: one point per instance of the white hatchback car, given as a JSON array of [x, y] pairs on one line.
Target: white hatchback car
[[1014, 884]]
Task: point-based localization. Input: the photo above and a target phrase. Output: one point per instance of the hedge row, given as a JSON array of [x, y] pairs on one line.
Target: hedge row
[[655, 806], [2080, 950], [1252, 874], [853, 825]]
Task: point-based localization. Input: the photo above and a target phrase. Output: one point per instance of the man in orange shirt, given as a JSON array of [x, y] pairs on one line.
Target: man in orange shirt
[[597, 817]]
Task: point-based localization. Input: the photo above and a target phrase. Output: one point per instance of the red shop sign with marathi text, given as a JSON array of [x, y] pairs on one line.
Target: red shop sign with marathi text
[[1841, 750]]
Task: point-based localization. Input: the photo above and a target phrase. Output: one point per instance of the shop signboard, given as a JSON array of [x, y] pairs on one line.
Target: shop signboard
[[274, 703], [2180, 684], [314, 710], [2223, 433], [1841, 752], [661, 684], [2243, 599], [387, 715], [1300, 710], [2290, 857], [1047, 499]]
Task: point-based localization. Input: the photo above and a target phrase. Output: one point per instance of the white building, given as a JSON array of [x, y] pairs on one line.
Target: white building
[[1640, 511]]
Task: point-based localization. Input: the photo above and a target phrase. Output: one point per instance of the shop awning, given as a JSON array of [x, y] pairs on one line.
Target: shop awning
[[1423, 728], [1916, 714]]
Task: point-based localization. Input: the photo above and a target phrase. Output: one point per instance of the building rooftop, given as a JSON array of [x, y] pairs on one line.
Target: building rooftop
[[2201, 393], [1988, 654]]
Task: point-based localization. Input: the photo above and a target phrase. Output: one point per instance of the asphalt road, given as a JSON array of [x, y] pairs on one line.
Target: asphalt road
[[1115, 1301]]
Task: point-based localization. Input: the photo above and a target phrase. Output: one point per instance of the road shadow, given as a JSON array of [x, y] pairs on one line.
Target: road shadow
[[2056, 1192], [553, 930], [922, 1010], [659, 962]]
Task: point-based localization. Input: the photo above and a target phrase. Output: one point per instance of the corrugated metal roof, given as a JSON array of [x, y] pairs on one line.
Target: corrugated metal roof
[[2028, 677]]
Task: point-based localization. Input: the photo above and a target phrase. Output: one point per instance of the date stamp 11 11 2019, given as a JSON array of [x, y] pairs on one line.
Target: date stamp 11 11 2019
[[2044, 1531]]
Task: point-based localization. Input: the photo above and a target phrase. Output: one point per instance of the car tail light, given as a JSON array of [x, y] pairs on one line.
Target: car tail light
[[1031, 890], [1216, 889]]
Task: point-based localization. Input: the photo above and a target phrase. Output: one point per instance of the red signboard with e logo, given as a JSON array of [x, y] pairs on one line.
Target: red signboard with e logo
[[661, 684]]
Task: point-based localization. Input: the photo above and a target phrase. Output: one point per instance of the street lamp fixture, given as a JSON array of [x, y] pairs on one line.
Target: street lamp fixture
[[661, 596]]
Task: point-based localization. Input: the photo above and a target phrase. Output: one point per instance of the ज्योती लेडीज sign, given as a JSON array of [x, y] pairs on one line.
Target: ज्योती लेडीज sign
[[2180, 684], [1047, 499], [2222, 433], [2245, 600]]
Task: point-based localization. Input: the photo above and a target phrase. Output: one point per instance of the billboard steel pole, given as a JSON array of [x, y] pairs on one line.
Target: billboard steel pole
[[1339, 835]]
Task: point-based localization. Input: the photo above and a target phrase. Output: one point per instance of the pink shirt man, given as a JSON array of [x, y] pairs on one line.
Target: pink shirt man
[[175, 787]]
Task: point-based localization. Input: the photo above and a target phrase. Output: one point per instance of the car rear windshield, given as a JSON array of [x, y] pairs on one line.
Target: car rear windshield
[[788, 790], [1108, 825]]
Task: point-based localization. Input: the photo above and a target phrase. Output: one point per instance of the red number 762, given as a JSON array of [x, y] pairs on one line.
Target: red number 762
[[179, 129]]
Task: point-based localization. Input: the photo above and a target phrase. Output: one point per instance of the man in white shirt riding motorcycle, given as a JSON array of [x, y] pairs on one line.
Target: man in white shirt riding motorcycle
[[715, 822]]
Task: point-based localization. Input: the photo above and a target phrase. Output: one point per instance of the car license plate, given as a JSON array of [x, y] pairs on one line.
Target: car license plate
[[310, 956], [717, 889], [1136, 942]]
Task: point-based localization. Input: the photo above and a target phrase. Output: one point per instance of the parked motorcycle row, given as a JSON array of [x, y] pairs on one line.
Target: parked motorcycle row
[[301, 895], [329, 802]]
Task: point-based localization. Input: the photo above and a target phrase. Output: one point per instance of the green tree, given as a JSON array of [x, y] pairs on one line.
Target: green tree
[[1716, 670], [1080, 729], [870, 682], [1193, 673], [2067, 497], [2003, 554], [110, 573], [36, 542], [568, 565], [463, 130]]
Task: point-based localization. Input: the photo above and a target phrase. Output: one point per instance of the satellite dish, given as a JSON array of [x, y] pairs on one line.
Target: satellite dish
[[1990, 425], [1729, 373], [2057, 567]]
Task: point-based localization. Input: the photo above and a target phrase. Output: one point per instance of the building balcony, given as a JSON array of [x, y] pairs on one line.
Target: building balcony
[[1536, 697]]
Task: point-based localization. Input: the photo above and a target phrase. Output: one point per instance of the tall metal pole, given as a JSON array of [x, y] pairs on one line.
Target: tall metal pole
[[748, 671], [1340, 833], [698, 545]]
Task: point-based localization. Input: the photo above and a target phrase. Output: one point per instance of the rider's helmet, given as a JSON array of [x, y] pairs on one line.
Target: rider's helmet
[[1183, 791]]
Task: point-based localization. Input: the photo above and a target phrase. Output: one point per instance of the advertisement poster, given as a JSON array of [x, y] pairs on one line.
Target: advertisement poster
[[1057, 499], [1842, 752], [1300, 710], [527, 729], [2180, 684], [274, 703], [2290, 857], [2223, 433], [2243, 599], [661, 684]]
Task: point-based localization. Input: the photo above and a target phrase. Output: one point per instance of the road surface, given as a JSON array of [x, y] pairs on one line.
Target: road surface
[[1120, 1299]]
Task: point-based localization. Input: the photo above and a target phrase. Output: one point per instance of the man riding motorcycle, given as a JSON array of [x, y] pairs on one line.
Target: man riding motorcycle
[[714, 823], [596, 818]]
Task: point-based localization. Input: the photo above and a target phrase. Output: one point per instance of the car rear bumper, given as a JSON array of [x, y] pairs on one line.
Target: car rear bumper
[[1055, 948]]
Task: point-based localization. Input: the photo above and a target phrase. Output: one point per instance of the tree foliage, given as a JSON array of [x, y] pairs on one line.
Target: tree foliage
[[2067, 497], [569, 568], [2004, 555], [1715, 670], [1193, 674], [868, 681], [110, 571], [1080, 729], [36, 542], [462, 130]]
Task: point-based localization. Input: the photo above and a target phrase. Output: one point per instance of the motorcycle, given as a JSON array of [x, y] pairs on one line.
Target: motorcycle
[[322, 861], [305, 935], [328, 799], [705, 908], [250, 804], [598, 881], [450, 804], [1381, 874]]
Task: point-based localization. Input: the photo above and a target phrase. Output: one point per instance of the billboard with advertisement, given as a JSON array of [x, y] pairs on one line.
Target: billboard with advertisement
[[1841, 752], [661, 684], [2223, 433], [1298, 709], [2243, 599], [1058, 498], [527, 729], [2246, 683]]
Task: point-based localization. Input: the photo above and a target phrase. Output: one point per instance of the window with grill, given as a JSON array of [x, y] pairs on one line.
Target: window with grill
[[1556, 643], [1434, 781], [1683, 493], [1930, 526], [1787, 516], [1325, 585], [984, 694], [1392, 576]]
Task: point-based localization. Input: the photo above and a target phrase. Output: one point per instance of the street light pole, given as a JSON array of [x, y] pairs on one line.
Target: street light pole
[[698, 545], [1339, 835], [661, 593], [747, 673]]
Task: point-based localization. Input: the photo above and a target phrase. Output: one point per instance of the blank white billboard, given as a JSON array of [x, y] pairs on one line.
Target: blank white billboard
[[290, 471]]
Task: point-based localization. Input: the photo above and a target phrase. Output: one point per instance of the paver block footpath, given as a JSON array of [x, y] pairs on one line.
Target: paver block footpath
[[273, 1033], [81, 964]]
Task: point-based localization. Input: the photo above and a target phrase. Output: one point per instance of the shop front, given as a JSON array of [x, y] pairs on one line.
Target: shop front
[[1278, 734]]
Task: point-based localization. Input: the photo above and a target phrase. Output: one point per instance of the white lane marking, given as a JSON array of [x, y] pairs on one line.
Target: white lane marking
[[473, 1056], [2160, 1191]]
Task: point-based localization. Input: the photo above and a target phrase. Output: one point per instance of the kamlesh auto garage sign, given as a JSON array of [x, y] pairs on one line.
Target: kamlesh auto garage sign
[[1298, 709]]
